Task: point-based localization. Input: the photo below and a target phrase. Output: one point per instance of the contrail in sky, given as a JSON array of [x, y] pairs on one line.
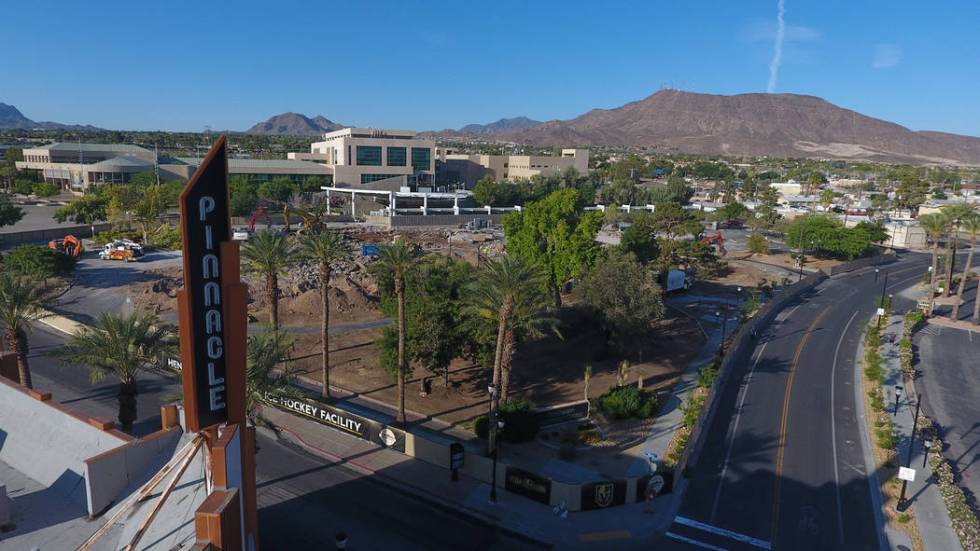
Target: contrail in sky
[[777, 51]]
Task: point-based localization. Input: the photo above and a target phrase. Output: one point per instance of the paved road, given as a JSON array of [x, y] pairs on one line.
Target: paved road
[[947, 361], [784, 462]]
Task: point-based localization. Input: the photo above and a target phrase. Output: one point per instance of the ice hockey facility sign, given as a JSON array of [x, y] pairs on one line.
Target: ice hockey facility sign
[[528, 484], [359, 426]]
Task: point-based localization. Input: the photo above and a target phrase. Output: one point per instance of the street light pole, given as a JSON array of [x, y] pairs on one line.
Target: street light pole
[[898, 394], [902, 505], [492, 440]]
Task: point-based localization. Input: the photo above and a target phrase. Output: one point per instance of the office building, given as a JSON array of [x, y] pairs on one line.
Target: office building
[[78, 165], [360, 156], [467, 169]]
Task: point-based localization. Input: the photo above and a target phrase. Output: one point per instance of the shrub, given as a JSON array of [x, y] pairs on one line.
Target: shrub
[[521, 422], [692, 409], [168, 238], [45, 189], [758, 244], [38, 261], [23, 187], [622, 402], [708, 374]]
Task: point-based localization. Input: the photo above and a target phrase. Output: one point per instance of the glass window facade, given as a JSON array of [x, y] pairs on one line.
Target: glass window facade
[[421, 158], [397, 156], [369, 155], [368, 178]]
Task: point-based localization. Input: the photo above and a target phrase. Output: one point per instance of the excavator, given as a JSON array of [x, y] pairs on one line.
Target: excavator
[[68, 245], [715, 239]]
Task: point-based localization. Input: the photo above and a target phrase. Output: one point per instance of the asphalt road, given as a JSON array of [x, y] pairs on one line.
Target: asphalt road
[[784, 463], [947, 363]]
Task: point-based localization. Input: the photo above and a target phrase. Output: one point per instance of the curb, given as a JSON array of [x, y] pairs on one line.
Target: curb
[[411, 490]]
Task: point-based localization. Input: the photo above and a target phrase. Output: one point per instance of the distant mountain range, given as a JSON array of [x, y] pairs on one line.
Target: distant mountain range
[[12, 118], [778, 125], [294, 124]]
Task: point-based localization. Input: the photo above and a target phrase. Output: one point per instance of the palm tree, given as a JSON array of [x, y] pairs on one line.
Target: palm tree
[[934, 225], [971, 225], [504, 289], [21, 302], [397, 259], [269, 255], [324, 248], [955, 214], [121, 345], [268, 369]]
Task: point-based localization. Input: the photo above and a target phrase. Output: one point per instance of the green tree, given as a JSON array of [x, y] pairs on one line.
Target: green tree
[[557, 235], [243, 195], [766, 214], [148, 209], [45, 189], [87, 209], [911, 192], [269, 370], [955, 214], [935, 226], [733, 211], [813, 182], [398, 259], [37, 262], [826, 198], [8, 166], [675, 221], [624, 295], [640, 238], [21, 302], [323, 249], [269, 255], [10, 214], [122, 346], [497, 290], [277, 190], [971, 225]]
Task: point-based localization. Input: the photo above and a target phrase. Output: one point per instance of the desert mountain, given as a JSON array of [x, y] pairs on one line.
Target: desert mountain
[[502, 125], [779, 125], [294, 124], [11, 117]]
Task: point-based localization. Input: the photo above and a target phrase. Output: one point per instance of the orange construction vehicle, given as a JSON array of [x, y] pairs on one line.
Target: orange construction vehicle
[[716, 239], [69, 245]]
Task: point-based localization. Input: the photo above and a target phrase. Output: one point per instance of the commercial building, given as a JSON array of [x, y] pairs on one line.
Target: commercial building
[[358, 156], [467, 169], [259, 170], [78, 165]]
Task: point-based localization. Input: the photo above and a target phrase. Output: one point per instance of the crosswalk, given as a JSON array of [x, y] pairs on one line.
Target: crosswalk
[[686, 533]]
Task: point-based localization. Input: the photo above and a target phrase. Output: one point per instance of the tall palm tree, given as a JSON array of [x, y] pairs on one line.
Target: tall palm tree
[[955, 214], [324, 248], [269, 255], [21, 302], [501, 288], [397, 259], [934, 225], [121, 345], [268, 369], [971, 225]]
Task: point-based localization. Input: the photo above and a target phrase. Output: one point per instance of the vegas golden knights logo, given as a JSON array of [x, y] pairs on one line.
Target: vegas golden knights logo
[[604, 494]]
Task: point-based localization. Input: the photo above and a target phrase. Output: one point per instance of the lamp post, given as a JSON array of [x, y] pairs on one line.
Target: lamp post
[[902, 504], [499, 425], [724, 322], [876, 274], [898, 394], [925, 452], [492, 439]]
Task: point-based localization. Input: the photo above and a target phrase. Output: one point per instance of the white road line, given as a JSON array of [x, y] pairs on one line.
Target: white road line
[[685, 539], [722, 532], [833, 430], [731, 441]]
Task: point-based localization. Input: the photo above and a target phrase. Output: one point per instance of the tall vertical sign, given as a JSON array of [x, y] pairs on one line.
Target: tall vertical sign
[[212, 323]]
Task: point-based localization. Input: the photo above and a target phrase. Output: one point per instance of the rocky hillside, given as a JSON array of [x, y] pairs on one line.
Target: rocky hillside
[[11, 117], [294, 124], [782, 125]]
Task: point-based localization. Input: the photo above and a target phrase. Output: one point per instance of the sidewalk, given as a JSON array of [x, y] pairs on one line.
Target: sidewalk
[[607, 528], [933, 521]]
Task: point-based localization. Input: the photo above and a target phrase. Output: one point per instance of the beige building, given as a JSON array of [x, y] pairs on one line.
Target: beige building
[[358, 156], [469, 168], [79, 165]]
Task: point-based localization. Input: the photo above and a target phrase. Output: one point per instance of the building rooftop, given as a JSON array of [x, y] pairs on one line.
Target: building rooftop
[[116, 147], [371, 133]]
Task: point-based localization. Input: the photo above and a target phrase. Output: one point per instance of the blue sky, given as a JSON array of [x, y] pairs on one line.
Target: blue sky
[[431, 64]]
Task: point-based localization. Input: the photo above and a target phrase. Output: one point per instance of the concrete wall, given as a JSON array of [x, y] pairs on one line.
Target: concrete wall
[[49, 442], [43, 236], [110, 472]]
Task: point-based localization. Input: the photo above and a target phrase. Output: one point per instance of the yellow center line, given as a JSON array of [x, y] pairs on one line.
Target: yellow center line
[[781, 445]]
